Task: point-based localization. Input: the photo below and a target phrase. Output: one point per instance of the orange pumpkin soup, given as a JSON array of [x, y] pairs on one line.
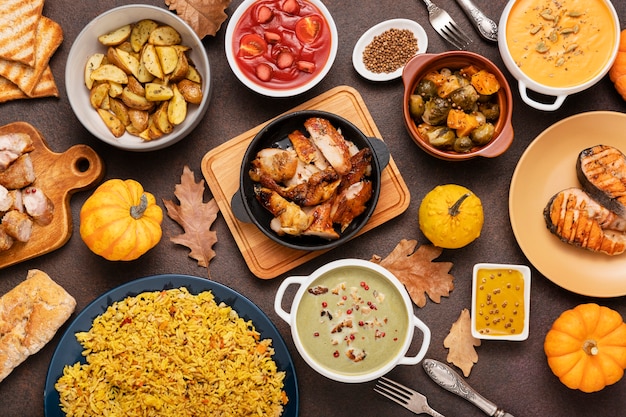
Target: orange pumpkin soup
[[561, 43]]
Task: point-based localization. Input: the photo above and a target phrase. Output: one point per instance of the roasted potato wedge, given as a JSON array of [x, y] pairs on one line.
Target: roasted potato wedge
[[138, 119], [177, 109], [125, 60], [98, 94], [93, 62], [161, 120], [182, 67], [164, 36], [115, 89], [114, 124], [194, 75], [168, 58], [135, 101], [109, 72], [120, 110], [115, 37], [141, 32], [143, 75], [158, 92], [135, 86], [191, 91], [150, 59]]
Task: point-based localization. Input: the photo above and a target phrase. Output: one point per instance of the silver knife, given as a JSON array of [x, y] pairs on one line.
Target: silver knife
[[487, 28], [445, 377]]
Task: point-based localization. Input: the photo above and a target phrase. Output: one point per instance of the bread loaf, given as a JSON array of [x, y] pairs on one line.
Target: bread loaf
[[30, 315]]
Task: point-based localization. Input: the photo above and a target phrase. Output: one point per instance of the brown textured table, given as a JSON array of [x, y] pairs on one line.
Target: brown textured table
[[513, 374]]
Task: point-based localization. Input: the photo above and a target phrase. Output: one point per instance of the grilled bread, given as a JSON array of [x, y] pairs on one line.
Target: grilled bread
[[30, 315], [577, 219], [601, 171], [18, 30]]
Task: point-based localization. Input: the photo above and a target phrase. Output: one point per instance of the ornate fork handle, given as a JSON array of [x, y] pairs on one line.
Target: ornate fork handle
[[485, 26]]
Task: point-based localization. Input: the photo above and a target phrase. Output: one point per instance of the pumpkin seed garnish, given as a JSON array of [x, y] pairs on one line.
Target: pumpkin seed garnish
[[536, 29], [542, 48], [574, 13], [554, 36], [547, 16], [560, 62], [571, 47]]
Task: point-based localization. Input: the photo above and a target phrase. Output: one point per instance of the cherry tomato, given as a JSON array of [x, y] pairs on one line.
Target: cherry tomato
[[252, 45], [308, 28]]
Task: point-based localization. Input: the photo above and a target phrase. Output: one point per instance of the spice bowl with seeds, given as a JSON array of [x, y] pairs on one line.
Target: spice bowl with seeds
[[382, 51], [557, 49], [500, 301]]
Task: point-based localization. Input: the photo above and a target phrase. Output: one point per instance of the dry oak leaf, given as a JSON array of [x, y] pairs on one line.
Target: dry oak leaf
[[415, 269], [204, 16], [460, 343], [195, 217]]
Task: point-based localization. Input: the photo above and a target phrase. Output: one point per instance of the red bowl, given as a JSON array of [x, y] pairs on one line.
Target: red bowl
[[420, 65]]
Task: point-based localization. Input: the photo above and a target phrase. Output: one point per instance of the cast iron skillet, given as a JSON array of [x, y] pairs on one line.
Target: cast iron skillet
[[247, 209]]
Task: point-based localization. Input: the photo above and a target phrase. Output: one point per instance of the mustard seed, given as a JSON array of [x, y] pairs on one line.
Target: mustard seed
[[390, 50]]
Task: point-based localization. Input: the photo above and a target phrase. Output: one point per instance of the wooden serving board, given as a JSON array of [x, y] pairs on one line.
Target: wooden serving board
[[59, 175], [221, 169]]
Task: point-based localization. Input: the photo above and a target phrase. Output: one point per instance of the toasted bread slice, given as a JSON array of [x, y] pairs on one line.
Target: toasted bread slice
[[18, 29], [46, 87], [49, 37]]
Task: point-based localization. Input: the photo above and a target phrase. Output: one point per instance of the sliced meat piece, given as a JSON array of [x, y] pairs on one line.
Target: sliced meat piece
[[601, 170], [351, 203], [319, 188], [19, 174], [279, 164], [330, 142], [577, 219], [361, 167], [6, 200], [18, 225], [12, 146], [305, 149], [289, 217], [6, 241], [322, 225], [16, 200], [38, 205], [303, 173]]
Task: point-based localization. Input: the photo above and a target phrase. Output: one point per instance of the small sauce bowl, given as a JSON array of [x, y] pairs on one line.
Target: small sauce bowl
[[500, 301]]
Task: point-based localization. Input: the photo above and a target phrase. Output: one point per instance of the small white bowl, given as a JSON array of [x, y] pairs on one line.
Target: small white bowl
[[252, 82], [364, 329], [500, 295], [368, 37], [86, 44]]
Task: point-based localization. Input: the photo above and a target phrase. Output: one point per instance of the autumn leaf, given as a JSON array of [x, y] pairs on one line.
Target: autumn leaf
[[195, 217], [460, 343], [415, 269], [204, 16]]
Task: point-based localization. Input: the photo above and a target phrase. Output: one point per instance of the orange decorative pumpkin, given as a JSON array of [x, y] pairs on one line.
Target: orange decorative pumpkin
[[617, 73], [120, 221], [586, 347]]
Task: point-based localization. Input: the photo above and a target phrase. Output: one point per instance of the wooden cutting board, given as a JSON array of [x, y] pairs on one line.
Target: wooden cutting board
[[59, 175], [221, 169]]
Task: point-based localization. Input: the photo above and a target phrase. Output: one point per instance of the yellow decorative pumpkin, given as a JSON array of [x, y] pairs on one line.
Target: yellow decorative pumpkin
[[451, 216], [120, 221], [617, 73], [586, 347]]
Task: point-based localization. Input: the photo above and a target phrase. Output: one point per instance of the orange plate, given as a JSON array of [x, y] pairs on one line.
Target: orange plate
[[221, 168], [59, 175]]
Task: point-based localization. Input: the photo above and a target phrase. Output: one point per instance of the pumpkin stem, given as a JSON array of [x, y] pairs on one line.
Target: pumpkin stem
[[454, 210], [590, 347], [137, 211]]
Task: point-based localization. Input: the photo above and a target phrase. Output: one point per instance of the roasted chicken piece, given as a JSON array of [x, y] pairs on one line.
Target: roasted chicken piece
[[322, 225], [18, 225], [320, 187], [6, 241], [12, 146], [350, 203], [19, 174], [289, 218], [38, 205], [330, 142], [577, 219], [361, 167], [306, 150], [278, 164]]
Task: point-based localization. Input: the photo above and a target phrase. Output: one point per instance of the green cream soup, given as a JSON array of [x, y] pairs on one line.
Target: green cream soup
[[352, 321]]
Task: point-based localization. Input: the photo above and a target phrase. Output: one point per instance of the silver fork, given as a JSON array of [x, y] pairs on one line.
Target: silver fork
[[405, 396], [443, 23]]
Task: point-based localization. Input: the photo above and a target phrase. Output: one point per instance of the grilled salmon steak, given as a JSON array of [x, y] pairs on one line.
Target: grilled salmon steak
[[601, 171], [577, 219]]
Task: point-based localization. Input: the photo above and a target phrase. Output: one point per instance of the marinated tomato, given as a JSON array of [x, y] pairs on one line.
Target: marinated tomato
[[281, 44]]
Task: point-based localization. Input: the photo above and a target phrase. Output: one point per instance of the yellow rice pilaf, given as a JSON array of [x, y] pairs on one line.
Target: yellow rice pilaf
[[172, 353]]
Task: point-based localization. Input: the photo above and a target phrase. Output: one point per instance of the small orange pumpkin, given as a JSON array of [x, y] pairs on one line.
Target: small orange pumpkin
[[586, 347], [120, 221], [617, 73]]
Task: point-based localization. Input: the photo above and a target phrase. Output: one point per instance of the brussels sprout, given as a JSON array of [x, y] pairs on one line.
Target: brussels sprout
[[482, 134], [463, 144], [426, 89], [436, 111], [465, 97], [416, 106], [441, 137], [490, 109]]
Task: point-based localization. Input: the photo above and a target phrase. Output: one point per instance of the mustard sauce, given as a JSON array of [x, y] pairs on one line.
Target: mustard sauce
[[561, 43], [499, 302]]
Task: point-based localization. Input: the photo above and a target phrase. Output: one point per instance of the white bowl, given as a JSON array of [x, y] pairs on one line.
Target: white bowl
[[526, 84], [253, 82], [507, 291], [385, 345], [86, 44]]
